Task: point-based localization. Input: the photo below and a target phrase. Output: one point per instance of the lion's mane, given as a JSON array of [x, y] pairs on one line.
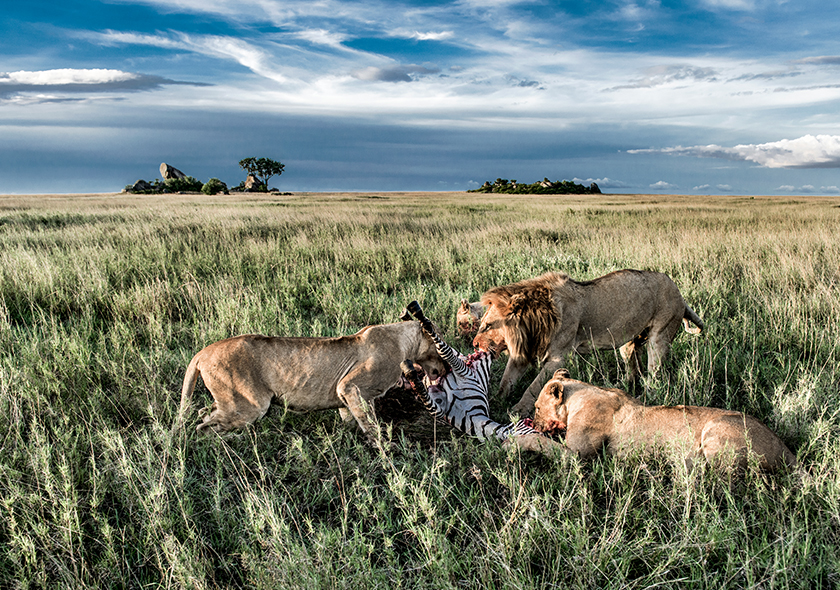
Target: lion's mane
[[533, 316]]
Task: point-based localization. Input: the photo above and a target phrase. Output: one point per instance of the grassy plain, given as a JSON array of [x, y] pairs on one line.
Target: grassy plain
[[105, 298]]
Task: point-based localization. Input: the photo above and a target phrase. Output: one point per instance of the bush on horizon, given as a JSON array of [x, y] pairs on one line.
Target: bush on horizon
[[544, 187], [214, 186], [187, 184]]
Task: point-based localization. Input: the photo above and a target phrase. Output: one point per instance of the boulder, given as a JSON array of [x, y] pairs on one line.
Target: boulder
[[140, 186], [168, 172], [252, 185]]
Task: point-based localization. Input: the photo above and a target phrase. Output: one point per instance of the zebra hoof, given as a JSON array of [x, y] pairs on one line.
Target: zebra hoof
[[414, 308]]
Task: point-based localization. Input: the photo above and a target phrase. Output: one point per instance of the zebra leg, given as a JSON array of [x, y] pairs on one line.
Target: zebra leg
[[449, 354], [414, 309]]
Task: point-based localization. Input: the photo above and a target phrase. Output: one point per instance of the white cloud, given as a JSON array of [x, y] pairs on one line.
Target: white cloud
[[247, 55], [397, 73], [323, 37], [663, 186], [424, 36], [668, 74], [808, 189], [66, 76], [821, 60], [730, 4], [44, 86], [602, 182], [721, 188], [809, 151]]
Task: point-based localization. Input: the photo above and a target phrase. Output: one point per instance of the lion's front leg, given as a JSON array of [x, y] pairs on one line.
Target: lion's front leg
[[513, 371], [539, 444], [525, 406], [351, 396]]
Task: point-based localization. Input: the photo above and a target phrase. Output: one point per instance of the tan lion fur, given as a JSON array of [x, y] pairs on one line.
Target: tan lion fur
[[244, 373], [545, 318], [468, 317], [595, 418]]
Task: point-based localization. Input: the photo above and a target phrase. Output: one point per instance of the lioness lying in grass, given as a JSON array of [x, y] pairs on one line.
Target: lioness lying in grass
[[245, 373], [595, 418]]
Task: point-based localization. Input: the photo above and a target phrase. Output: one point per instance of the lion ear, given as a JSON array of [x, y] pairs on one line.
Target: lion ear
[[556, 389], [465, 305], [562, 374]]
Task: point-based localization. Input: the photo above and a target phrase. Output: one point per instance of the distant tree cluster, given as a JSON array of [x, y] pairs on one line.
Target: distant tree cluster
[[543, 187], [259, 170]]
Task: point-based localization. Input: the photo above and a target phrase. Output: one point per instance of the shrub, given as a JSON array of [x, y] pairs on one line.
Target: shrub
[[214, 186], [186, 184]]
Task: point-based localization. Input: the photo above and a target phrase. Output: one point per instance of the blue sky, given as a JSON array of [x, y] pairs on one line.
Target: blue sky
[[644, 96]]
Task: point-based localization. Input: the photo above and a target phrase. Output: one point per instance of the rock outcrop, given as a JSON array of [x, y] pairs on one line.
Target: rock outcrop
[[141, 186], [168, 172]]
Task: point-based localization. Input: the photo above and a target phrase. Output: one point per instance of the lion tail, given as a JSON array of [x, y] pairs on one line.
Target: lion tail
[[190, 379], [691, 316]]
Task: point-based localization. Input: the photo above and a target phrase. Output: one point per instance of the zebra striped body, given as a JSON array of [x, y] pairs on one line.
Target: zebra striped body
[[461, 396]]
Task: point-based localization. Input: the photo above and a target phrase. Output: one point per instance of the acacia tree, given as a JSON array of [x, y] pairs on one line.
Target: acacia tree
[[262, 168]]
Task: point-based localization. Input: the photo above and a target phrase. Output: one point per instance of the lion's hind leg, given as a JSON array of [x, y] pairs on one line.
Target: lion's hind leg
[[659, 342], [631, 353], [231, 409], [723, 443]]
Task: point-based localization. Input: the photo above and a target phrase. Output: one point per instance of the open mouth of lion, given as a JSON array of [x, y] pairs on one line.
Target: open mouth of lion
[[431, 384]]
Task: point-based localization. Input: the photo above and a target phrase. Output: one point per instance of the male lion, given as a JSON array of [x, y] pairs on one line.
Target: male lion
[[245, 373], [595, 418], [545, 318]]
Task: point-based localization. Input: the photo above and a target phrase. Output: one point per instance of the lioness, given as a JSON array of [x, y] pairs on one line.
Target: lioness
[[245, 373], [595, 418], [468, 317], [545, 318]]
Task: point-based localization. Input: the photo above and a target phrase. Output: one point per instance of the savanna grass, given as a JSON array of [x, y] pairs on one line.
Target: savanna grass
[[104, 299]]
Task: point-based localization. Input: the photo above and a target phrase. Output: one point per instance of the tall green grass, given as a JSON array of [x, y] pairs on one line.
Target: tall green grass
[[103, 301]]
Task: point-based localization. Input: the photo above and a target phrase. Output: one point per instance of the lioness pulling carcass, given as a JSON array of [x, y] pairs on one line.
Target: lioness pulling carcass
[[245, 373], [595, 418], [545, 318]]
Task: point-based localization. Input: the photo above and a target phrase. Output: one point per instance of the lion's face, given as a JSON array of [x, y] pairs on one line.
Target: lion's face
[[551, 413], [468, 317], [492, 331]]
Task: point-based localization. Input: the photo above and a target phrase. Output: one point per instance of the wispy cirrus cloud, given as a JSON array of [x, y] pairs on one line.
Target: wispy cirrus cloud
[[49, 84], [822, 60], [668, 74], [423, 36], [809, 151], [257, 60], [396, 73], [729, 4]]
